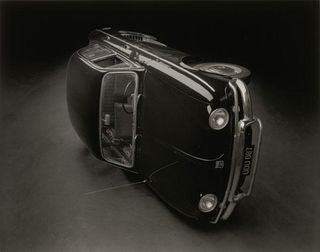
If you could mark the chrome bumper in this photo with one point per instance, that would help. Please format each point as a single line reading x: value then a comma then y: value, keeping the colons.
x: 231, y: 197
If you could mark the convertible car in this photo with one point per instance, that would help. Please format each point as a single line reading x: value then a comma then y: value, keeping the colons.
x: 184, y: 124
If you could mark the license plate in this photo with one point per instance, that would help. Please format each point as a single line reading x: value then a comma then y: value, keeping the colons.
x: 247, y: 160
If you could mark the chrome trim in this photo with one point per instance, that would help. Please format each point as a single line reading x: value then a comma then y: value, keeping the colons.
x: 130, y: 67
x: 230, y: 196
x: 184, y: 65
x: 234, y: 198
x: 242, y: 127
x: 205, y: 67
x: 256, y: 158
x: 213, y: 198
x: 212, y: 115
x: 129, y: 52
x: 246, y: 99
x: 234, y: 152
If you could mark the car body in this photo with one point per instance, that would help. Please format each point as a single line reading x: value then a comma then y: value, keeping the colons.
x: 186, y: 126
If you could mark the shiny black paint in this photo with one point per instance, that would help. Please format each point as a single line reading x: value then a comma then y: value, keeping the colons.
x: 179, y: 121
x: 175, y: 127
x: 176, y: 150
x: 83, y: 91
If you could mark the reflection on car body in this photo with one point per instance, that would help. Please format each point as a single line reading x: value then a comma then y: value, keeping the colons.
x: 184, y: 125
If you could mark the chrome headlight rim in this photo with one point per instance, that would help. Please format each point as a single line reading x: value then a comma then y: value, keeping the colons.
x: 219, y: 118
x: 208, y: 203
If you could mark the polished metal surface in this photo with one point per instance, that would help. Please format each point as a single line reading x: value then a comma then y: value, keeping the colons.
x: 224, y: 69
x: 238, y: 148
x: 223, y: 118
x: 235, y: 154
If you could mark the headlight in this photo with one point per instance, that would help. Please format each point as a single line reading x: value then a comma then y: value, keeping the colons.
x: 208, y: 202
x: 218, y: 119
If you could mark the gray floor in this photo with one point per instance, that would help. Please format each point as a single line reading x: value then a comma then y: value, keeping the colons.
x: 46, y: 173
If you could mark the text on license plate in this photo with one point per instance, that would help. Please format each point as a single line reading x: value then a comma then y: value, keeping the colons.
x: 247, y: 160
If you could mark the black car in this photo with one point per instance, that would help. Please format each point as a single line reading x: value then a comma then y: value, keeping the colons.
x: 185, y: 125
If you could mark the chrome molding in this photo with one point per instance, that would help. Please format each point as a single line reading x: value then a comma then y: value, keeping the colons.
x: 130, y: 67
x: 246, y: 99
x: 231, y: 198
x: 222, y: 205
x: 124, y: 47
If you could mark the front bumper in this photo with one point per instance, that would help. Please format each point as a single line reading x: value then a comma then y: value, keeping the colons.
x: 233, y: 193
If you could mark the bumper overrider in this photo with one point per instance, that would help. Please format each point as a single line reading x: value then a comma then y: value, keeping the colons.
x: 233, y: 194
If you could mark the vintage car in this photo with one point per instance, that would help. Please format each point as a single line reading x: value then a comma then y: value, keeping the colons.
x: 185, y: 125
